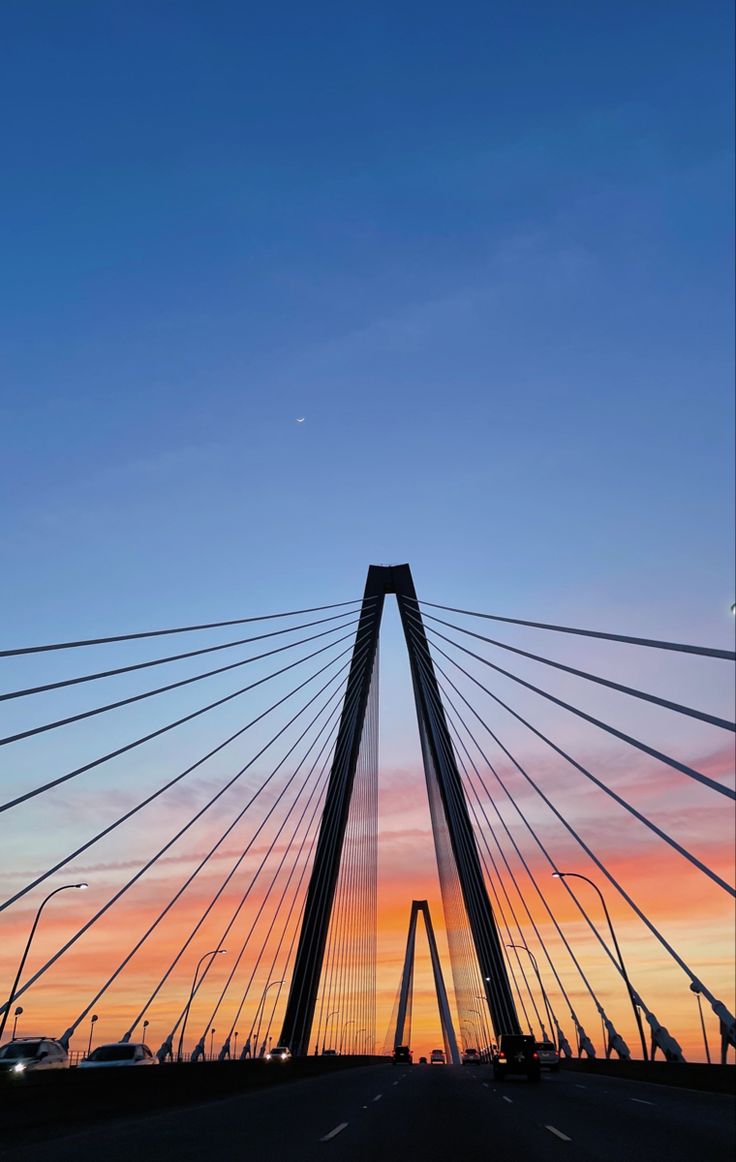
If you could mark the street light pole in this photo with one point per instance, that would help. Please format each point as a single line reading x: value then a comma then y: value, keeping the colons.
x: 259, y: 1010
x: 357, y: 1038
x: 637, y: 1015
x: 200, y: 962
x: 92, y: 1022
x: 486, y: 1034
x: 334, y: 1013
x: 16, y: 1014
x: 342, y: 1035
x: 24, y: 957
x: 547, y: 1006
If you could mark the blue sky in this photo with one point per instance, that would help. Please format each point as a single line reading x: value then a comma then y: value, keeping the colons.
x: 484, y: 249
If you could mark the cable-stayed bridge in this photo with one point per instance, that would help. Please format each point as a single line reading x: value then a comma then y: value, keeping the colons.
x: 245, y: 795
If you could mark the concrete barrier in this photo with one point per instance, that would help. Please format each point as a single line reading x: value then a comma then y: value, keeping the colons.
x: 67, y: 1098
x: 688, y: 1075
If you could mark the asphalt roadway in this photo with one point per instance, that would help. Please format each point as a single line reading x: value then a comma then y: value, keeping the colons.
x: 452, y: 1114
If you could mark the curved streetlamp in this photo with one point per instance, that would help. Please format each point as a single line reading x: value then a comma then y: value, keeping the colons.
x: 342, y: 1035
x: 261, y: 1005
x: 31, y: 934
x: 18, y: 1012
x: 357, y: 1037
x: 200, y: 962
x: 558, y: 875
x: 548, y: 1007
x: 92, y: 1022
x: 334, y: 1013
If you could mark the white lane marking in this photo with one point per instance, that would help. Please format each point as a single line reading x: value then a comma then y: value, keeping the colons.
x: 641, y: 1101
x: 580, y: 1086
x: 378, y: 1097
x: 485, y: 1083
x: 396, y: 1082
x: 508, y: 1099
x: 558, y: 1133
x: 333, y: 1133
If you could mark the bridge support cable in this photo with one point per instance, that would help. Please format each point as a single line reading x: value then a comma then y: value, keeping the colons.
x: 527, y: 868
x: 679, y: 647
x: 463, y: 994
x: 271, y: 886
x: 631, y: 691
x: 270, y: 975
x: 161, y: 790
x: 491, y: 962
x: 348, y: 972
x: 290, y: 841
x: 668, y: 760
x: 134, y: 698
x: 65, y: 683
x: 718, y: 1007
x: 189, y: 880
x: 614, y: 1037
x: 233, y: 870
x: 300, y: 1007
x: 164, y: 729
x: 128, y: 637
x: 658, y: 831
x: 329, y: 835
x: 457, y: 715
x: 174, y: 839
x: 491, y: 980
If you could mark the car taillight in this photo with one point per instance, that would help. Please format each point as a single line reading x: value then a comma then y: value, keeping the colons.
x: 535, y: 1056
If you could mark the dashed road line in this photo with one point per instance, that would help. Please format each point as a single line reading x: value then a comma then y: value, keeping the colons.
x: 396, y: 1082
x: 485, y: 1083
x: 641, y: 1101
x: 558, y: 1133
x: 378, y: 1097
x: 333, y: 1133
x: 508, y: 1099
x: 577, y: 1086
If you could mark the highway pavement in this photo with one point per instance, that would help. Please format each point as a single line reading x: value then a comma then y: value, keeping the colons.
x: 427, y: 1113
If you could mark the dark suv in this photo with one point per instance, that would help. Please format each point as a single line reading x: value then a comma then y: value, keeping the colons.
x: 516, y: 1054
x: 402, y: 1055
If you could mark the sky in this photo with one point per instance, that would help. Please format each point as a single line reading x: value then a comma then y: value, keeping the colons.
x: 484, y: 251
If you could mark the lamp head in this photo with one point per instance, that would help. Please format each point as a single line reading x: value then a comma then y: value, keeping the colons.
x: 80, y: 887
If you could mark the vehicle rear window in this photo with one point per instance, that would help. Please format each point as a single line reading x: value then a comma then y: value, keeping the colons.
x: 113, y: 1053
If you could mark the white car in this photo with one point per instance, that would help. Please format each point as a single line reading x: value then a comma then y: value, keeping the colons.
x: 27, y: 1054
x: 119, y: 1054
x: 279, y: 1053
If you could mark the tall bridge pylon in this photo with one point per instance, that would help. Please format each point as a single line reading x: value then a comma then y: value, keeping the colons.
x: 407, y: 982
x: 443, y: 781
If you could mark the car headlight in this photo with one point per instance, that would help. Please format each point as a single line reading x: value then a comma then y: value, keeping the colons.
x: 268, y: 1057
x: 20, y: 1067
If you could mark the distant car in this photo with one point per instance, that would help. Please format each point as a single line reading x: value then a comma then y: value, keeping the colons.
x: 422, y: 1060
x: 279, y: 1053
x: 437, y: 1057
x: 401, y: 1055
x: 549, y: 1058
x: 28, y: 1054
x: 119, y: 1054
x: 471, y: 1057
x: 329, y: 1053
x: 516, y: 1054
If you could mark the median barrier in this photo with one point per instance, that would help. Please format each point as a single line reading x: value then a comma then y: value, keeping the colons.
x: 684, y: 1075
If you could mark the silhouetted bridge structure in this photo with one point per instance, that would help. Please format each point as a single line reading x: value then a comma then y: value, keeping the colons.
x: 288, y: 792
